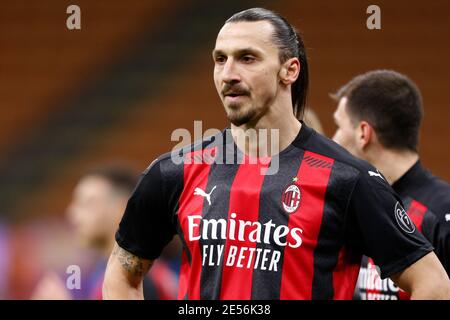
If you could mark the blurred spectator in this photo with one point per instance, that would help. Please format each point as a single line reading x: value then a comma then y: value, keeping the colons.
x: 98, y: 203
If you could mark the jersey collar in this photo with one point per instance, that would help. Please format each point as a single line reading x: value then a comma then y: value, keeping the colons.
x: 415, y: 177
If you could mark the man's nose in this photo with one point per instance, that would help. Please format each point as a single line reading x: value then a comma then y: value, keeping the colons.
x: 231, y: 72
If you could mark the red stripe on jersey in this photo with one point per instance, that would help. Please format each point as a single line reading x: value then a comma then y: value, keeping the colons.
x: 184, y: 274
x: 416, y: 212
x: 298, y: 263
x: 238, y: 261
x: 345, y: 276
x: 403, y: 295
x: 195, y: 176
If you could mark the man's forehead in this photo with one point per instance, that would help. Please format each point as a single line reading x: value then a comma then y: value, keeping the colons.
x: 93, y: 183
x: 249, y: 32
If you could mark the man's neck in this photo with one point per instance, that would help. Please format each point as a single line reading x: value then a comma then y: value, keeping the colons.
x: 394, y: 164
x: 274, y: 132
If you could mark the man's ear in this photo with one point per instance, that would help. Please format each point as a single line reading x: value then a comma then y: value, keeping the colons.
x: 289, y: 71
x: 366, y: 134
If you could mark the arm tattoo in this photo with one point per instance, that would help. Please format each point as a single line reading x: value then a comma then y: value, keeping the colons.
x: 136, y: 266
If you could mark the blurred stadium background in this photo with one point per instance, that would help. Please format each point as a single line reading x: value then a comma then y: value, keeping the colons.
x: 116, y: 89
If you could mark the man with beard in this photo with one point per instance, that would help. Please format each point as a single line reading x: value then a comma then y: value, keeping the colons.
x: 286, y: 216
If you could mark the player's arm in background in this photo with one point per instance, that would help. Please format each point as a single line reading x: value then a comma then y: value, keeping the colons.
x: 436, y: 228
x: 381, y: 229
x: 429, y: 267
x: 124, y: 275
x: 425, y: 279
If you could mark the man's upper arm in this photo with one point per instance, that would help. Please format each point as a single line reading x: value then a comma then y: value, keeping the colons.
x: 437, y: 230
x: 424, y: 279
x: 130, y: 266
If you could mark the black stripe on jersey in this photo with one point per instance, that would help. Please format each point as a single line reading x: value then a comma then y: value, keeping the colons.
x: 176, y: 182
x: 327, y: 250
x: 183, y: 242
x: 327, y: 165
x: 180, y: 231
x: 271, y: 208
x: 222, y: 177
x: 313, y: 162
x: 231, y: 154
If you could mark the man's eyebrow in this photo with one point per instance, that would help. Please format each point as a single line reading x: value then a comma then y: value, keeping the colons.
x: 249, y: 50
x: 238, y: 51
x: 217, y: 52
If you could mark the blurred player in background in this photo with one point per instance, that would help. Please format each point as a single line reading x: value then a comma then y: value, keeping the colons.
x: 378, y: 117
x: 297, y: 233
x: 98, y: 202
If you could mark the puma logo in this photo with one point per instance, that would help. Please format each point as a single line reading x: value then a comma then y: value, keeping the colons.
x: 200, y: 192
x: 375, y: 174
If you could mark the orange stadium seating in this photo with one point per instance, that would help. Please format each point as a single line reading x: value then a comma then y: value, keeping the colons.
x: 413, y: 41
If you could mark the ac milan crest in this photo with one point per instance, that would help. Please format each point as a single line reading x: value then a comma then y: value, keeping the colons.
x: 291, y: 197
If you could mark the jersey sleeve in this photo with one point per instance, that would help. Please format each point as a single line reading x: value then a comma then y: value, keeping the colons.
x: 380, y: 228
x: 146, y: 226
x: 437, y: 230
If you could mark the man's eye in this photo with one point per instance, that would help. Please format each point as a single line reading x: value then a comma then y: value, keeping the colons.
x: 220, y: 59
x: 248, y: 59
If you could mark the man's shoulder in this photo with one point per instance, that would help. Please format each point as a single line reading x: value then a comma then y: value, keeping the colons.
x: 437, y: 195
x: 326, y: 147
x: 440, y: 185
x: 196, y: 152
x: 157, y: 162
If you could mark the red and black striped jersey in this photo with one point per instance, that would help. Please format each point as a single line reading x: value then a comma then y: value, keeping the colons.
x: 294, y: 226
x: 427, y: 202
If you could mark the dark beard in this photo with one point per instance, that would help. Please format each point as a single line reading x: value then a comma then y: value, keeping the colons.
x: 239, y: 119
